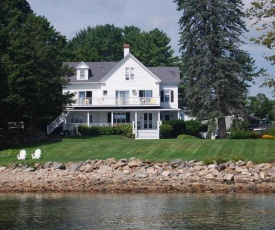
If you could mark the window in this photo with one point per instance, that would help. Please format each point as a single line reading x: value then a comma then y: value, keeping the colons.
x: 129, y: 73
x: 167, y: 96
x: 145, y: 96
x: 76, y: 119
x: 82, y: 74
x: 104, y: 92
x: 119, y: 118
x: 122, y: 97
x: 85, y: 97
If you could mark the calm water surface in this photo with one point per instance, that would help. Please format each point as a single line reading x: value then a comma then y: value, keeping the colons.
x: 136, y: 211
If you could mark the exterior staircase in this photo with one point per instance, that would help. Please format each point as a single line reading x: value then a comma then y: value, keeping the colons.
x: 147, y: 134
x: 56, y: 123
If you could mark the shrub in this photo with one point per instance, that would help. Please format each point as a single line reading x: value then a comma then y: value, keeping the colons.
x: 166, y: 131
x: 84, y: 130
x: 178, y: 127
x: 94, y: 131
x: 194, y: 127
x: 239, y: 134
x: 125, y: 130
x: 186, y: 136
x: 271, y: 131
x: 9, y: 152
x: 217, y: 160
x: 267, y: 136
x: 107, y: 130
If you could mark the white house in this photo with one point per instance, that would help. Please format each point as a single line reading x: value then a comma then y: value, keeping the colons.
x: 125, y: 92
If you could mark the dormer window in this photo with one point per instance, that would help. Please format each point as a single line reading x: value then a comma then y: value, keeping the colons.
x: 129, y: 73
x: 82, y: 74
x: 82, y: 71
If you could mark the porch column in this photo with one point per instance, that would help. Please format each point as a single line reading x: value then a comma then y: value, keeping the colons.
x: 65, y: 122
x: 112, y: 118
x: 158, y: 120
x: 136, y: 124
x: 88, y: 119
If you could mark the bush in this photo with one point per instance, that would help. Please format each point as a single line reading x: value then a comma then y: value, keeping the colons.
x: 178, y: 127
x: 84, y: 130
x: 166, y: 131
x: 194, y: 127
x: 239, y: 134
x: 267, y: 136
x: 271, y: 131
x: 217, y: 160
x: 186, y: 136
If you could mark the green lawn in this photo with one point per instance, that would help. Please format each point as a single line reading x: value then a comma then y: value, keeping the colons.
x: 80, y: 149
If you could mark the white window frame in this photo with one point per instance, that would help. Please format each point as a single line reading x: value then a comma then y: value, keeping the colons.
x: 129, y: 73
x: 82, y: 74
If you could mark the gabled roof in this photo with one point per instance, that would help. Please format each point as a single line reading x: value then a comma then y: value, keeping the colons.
x: 126, y: 58
x: 82, y: 65
x: 102, y: 70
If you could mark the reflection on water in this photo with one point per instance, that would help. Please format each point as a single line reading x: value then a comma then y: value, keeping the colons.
x: 136, y: 211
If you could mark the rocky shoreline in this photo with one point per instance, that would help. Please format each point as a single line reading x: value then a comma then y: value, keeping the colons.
x: 134, y: 175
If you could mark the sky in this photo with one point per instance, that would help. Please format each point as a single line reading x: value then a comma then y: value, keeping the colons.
x: 70, y: 16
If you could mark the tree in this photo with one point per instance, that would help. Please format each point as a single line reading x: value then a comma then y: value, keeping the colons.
x: 263, y: 11
x: 218, y: 72
x: 105, y: 42
x: 260, y: 106
x: 32, y: 66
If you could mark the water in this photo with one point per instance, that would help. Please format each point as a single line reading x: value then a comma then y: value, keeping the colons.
x: 136, y: 211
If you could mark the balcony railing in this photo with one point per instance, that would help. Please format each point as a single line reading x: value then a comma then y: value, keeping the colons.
x: 113, y: 101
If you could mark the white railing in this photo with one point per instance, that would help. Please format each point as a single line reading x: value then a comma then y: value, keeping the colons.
x: 112, y: 101
x: 55, y: 123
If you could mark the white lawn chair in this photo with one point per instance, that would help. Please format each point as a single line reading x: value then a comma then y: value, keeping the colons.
x: 22, y: 155
x: 36, y: 154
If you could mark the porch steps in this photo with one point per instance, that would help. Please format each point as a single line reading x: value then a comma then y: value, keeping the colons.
x: 147, y: 134
x: 56, y: 123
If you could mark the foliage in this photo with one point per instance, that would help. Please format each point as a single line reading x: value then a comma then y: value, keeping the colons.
x: 268, y: 136
x: 271, y: 130
x: 125, y: 130
x: 212, y: 160
x: 166, y: 131
x: 239, y: 134
x: 31, y: 56
x: 178, y: 127
x: 218, y: 72
x: 239, y: 124
x: 105, y: 42
x: 263, y: 12
x: 193, y: 127
x: 186, y: 136
x: 9, y: 153
x: 260, y: 106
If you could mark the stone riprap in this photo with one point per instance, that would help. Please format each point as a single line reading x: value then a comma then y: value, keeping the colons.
x: 134, y: 175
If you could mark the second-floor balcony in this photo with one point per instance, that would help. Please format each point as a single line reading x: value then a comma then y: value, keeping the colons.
x: 117, y: 101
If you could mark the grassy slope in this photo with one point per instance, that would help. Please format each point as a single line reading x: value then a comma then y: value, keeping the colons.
x: 81, y: 149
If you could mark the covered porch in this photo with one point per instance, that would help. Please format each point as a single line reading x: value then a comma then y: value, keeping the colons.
x: 145, y: 122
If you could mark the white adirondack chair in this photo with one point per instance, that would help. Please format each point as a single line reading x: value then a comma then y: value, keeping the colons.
x: 36, y: 154
x: 22, y: 155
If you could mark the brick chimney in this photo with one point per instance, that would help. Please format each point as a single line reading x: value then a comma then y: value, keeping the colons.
x: 126, y: 49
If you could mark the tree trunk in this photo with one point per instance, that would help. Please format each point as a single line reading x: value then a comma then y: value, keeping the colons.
x: 222, y: 127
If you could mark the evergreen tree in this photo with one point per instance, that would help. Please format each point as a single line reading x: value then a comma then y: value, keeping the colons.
x: 218, y: 72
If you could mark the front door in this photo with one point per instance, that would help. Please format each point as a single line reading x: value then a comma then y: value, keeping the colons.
x: 148, y: 120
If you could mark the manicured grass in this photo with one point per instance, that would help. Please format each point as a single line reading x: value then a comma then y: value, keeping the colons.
x: 80, y: 149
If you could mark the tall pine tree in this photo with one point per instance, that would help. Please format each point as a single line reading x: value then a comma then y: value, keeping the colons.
x: 218, y: 71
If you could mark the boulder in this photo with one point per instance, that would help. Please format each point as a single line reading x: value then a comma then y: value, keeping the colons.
x: 2, y: 168
x: 105, y: 169
x: 58, y: 165
x: 271, y: 172
x: 74, y: 167
x: 249, y: 164
x: 228, y: 177
x: 135, y: 163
